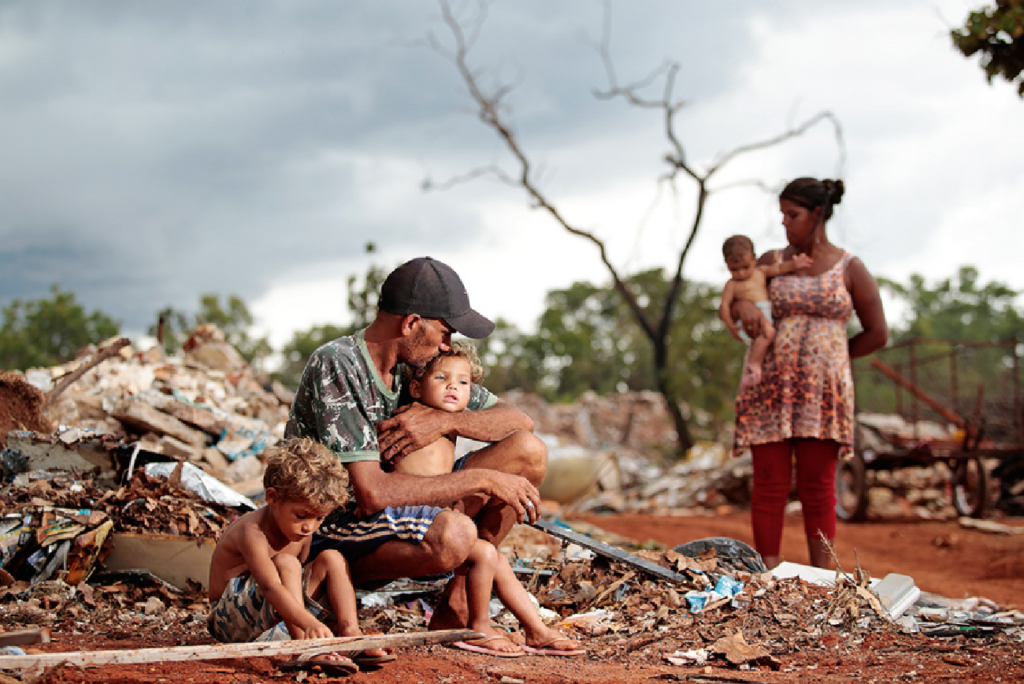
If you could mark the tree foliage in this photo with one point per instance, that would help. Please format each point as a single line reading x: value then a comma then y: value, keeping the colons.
x: 49, y: 331
x: 587, y: 340
x: 947, y: 344
x: 956, y: 308
x: 997, y: 33
x: 363, y: 292
x: 232, y: 317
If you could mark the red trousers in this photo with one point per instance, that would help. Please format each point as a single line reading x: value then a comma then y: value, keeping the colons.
x: 815, y: 462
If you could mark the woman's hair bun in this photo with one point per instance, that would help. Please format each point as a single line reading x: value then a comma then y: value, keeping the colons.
x: 835, y: 190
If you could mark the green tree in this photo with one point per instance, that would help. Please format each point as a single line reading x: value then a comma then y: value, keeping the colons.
x: 47, y: 332
x: 997, y: 33
x: 232, y: 317
x: 362, y: 304
x: 298, y: 350
x: 947, y: 345
x: 958, y: 308
x: 588, y: 340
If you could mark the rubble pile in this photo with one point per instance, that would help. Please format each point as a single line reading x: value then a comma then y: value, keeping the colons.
x: 207, y: 407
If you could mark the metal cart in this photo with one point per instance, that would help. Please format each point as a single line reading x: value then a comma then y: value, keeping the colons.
x: 926, y: 401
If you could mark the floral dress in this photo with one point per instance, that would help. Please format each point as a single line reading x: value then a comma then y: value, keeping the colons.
x: 806, y: 387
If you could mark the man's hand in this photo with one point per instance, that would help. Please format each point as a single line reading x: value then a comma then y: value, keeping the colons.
x: 517, y: 492
x: 410, y: 428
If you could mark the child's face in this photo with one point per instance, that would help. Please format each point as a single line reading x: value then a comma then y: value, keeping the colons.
x: 296, y: 519
x: 445, y: 385
x: 742, y: 267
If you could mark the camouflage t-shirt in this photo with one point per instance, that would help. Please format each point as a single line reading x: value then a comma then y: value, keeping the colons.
x: 341, y: 397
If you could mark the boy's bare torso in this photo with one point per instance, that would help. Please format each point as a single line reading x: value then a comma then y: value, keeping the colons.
x: 228, y: 559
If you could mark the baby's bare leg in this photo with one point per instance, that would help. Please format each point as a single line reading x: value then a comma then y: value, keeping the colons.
x: 479, y: 569
x: 515, y: 597
x: 755, y: 357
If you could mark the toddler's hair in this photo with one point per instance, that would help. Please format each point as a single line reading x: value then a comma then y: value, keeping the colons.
x: 460, y: 349
x: 304, y: 470
x: 737, y: 246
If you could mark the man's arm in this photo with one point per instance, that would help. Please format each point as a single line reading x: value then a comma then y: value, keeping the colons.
x: 415, y: 426
x: 375, y: 489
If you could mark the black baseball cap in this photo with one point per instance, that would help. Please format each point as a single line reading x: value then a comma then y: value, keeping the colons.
x: 427, y: 287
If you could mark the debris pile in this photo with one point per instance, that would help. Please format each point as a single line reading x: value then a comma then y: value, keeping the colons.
x: 59, y: 526
x: 207, y: 407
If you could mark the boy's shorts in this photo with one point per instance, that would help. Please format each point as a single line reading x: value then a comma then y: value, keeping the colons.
x: 242, y: 614
x: 766, y: 309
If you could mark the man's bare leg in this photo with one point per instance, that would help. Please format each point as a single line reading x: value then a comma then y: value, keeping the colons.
x: 521, y: 453
x: 445, y: 547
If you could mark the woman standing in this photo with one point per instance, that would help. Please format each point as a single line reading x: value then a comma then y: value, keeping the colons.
x: 802, y: 410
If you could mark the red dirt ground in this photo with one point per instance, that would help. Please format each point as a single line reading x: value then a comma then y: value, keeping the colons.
x: 942, y: 557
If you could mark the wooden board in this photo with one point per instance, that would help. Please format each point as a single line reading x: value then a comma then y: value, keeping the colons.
x: 225, y: 651
x: 173, y: 559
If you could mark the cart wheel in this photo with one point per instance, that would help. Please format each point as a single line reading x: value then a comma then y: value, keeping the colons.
x: 969, y: 484
x: 851, y: 488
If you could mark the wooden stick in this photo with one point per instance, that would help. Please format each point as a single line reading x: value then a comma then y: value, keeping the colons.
x: 96, y: 359
x: 223, y: 651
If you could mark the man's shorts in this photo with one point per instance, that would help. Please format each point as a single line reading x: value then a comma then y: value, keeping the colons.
x: 766, y: 309
x: 242, y: 614
x: 355, y: 537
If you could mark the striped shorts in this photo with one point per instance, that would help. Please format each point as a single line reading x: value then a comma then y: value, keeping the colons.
x: 356, y: 537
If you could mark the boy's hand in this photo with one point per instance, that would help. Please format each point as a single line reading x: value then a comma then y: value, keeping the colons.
x: 312, y: 630
x: 802, y: 260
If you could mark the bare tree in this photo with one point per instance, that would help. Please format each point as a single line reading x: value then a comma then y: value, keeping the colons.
x: 493, y: 112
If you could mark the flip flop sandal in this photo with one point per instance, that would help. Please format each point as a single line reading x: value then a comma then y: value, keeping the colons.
x: 479, y: 647
x: 544, y: 648
x: 364, y: 661
x: 320, y: 663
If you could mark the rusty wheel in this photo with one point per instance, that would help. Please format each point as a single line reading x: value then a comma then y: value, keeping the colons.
x: 969, y: 486
x: 852, y: 488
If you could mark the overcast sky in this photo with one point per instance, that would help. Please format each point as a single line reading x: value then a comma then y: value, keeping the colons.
x: 155, y: 151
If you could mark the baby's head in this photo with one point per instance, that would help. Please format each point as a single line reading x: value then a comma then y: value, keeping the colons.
x: 444, y: 383
x: 304, y: 471
x: 739, y: 256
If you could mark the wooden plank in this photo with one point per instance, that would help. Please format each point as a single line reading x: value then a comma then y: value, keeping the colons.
x: 226, y: 651
x: 607, y: 550
x: 22, y: 637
